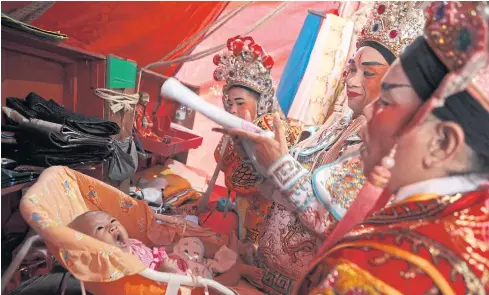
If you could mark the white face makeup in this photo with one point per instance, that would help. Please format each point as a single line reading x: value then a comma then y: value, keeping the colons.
x: 366, y: 69
x: 241, y: 100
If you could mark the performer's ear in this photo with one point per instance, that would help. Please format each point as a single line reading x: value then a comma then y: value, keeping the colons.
x: 446, y: 145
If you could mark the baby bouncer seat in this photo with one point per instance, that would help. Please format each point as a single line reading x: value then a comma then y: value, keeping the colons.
x: 61, y: 194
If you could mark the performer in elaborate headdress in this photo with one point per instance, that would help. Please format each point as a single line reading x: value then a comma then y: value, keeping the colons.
x: 293, y: 230
x: 428, y: 136
x: 389, y: 29
x: 248, y: 93
x: 431, y: 126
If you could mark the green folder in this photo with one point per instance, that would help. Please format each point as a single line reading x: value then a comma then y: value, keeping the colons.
x: 120, y: 73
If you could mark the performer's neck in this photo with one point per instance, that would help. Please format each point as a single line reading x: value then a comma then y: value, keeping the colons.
x: 442, y: 186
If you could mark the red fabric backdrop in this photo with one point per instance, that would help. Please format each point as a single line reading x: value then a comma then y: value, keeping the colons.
x: 141, y: 31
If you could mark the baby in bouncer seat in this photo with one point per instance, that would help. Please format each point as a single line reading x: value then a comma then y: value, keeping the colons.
x: 186, y: 259
x: 103, y: 227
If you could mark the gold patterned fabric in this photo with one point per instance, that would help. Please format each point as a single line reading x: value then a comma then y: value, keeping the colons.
x: 426, y: 244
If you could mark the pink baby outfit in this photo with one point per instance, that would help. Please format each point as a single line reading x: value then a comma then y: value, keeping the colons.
x: 152, y: 258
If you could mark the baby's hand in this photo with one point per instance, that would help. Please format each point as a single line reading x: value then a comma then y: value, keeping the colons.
x: 218, y: 267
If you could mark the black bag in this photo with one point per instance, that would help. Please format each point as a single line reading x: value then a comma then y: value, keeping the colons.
x: 124, y: 160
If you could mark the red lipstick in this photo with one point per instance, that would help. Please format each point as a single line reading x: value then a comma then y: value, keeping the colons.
x: 352, y: 94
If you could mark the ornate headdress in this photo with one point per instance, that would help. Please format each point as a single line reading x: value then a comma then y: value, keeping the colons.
x: 246, y: 64
x: 458, y: 34
x: 393, y: 24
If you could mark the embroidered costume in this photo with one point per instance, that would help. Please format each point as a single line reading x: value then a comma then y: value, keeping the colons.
x: 313, y: 186
x: 247, y: 65
x: 430, y: 241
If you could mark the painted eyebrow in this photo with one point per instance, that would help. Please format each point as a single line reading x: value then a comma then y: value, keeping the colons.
x: 239, y: 98
x: 388, y: 86
x: 372, y: 63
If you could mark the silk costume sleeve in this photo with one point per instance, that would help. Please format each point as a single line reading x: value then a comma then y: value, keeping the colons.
x: 320, y: 198
x: 293, y: 186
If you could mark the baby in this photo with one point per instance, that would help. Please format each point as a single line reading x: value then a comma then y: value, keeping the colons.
x: 103, y: 227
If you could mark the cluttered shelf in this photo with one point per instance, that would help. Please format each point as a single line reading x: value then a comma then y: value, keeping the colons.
x: 45, y: 72
x: 51, y: 115
x: 154, y: 122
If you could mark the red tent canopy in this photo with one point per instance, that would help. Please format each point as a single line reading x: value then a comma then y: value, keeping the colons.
x: 141, y: 31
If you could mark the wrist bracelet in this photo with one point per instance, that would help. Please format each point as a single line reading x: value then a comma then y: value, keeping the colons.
x: 285, y: 172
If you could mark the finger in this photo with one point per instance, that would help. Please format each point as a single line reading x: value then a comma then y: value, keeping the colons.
x: 246, y: 135
x: 220, y: 130
x: 279, y: 130
x: 247, y: 116
x: 241, y: 134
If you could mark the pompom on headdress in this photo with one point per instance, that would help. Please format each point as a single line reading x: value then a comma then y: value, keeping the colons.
x: 246, y: 64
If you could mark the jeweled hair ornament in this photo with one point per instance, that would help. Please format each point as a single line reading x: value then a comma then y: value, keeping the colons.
x: 246, y: 64
x: 394, y: 25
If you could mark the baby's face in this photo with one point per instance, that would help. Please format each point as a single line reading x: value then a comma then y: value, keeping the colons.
x: 105, y: 228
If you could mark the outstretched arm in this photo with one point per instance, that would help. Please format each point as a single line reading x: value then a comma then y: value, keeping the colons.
x: 293, y: 184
